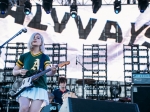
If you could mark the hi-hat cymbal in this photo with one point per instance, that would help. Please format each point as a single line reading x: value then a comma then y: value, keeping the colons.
x: 86, y: 81
x: 71, y: 81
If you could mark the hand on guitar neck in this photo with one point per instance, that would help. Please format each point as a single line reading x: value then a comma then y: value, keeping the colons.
x: 52, y: 72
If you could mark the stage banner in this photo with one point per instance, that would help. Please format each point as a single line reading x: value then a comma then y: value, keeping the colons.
x: 131, y: 25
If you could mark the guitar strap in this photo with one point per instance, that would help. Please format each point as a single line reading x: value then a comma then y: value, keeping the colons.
x: 41, y: 67
x: 42, y: 60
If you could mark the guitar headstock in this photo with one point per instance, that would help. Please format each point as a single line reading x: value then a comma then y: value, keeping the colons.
x: 64, y: 63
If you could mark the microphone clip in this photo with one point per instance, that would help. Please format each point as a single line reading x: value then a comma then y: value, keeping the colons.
x: 76, y: 60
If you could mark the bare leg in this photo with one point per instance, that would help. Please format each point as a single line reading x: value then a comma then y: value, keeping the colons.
x: 24, y: 104
x: 35, y: 105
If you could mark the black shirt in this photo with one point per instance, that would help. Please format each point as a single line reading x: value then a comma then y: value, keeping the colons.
x: 58, y: 95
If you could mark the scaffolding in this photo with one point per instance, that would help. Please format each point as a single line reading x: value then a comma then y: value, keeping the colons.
x: 94, y: 71
x: 13, y: 51
x: 136, y: 60
x: 58, y: 54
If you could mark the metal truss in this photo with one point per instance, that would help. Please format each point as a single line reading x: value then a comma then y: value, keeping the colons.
x: 79, y: 2
x: 89, y: 2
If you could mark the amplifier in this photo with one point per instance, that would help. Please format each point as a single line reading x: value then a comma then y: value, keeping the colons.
x: 141, y: 97
x: 140, y: 78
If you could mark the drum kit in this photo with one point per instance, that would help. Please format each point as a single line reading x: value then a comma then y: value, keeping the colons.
x: 76, y: 86
x: 75, y: 91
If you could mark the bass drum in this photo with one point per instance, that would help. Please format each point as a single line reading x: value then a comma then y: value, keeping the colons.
x: 52, y: 107
x: 68, y: 94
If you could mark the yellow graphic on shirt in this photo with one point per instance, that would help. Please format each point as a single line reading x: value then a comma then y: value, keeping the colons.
x: 36, y: 65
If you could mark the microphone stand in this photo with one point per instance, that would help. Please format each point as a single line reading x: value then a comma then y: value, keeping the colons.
x: 83, y: 82
x: 22, y: 30
x: 2, y: 46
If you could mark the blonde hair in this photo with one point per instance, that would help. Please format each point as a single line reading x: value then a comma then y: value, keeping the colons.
x: 42, y: 48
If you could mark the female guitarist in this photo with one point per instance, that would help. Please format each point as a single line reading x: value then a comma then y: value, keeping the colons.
x: 30, y: 100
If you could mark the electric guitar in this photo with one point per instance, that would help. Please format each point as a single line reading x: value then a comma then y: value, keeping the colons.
x: 22, y: 84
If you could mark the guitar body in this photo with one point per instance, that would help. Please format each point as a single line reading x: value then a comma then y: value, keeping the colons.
x: 20, y: 85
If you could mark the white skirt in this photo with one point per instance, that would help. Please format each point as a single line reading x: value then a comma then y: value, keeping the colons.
x: 35, y: 94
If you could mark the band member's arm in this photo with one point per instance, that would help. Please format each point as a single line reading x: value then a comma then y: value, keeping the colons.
x: 47, y: 65
x: 51, y: 96
x: 17, y: 70
x: 52, y: 72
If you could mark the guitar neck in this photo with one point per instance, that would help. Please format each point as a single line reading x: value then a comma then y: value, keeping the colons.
x: 41, y: 73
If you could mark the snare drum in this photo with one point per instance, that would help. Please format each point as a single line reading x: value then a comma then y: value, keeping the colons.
x: 68, y: 94
x: 52, y: 107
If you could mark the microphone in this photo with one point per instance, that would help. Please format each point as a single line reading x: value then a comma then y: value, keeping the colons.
x: 24, y: 30
x: 76, y: 60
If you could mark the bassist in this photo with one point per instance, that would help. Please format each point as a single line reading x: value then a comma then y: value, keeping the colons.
x: 30, y: 100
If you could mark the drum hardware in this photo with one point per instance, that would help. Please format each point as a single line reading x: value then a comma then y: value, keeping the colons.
x: 8, y: 102
x: 52, y: 107
x: 73, y: 90
x: 83, y: 81
x: 1, y: 107
x: 71, y: 82
x: 79, y: 91
x: 86, y: 81
x: 68, y: 94
x: 115, y: 90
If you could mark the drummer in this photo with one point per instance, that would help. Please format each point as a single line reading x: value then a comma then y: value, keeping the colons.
x: 57, y: 93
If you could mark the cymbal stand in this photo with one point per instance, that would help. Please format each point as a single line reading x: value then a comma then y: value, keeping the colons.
x: 70, y: 85
x: 8, y: 102
x: 83, y: 82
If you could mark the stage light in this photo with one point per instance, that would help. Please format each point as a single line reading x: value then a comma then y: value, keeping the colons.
x: 14, y: 2
x: 96, y: 4
x: 47, y: 5
x: 142, y: 5
x: 115, y: 91
x: 73, y: 9
x: 117, y: 6
x: 4, y: 6
x: 27, y: 7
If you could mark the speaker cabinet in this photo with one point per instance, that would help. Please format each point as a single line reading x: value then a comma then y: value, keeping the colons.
x: 141, y: 96
x: 86, y: 105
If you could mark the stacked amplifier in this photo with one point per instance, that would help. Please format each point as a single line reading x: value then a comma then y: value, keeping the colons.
x: 141, y: 91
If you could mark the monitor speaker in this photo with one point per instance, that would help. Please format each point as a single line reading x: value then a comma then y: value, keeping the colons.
x: 87, y: 105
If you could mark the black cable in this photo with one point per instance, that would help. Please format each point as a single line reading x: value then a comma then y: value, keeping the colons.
x: 1, y: 106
